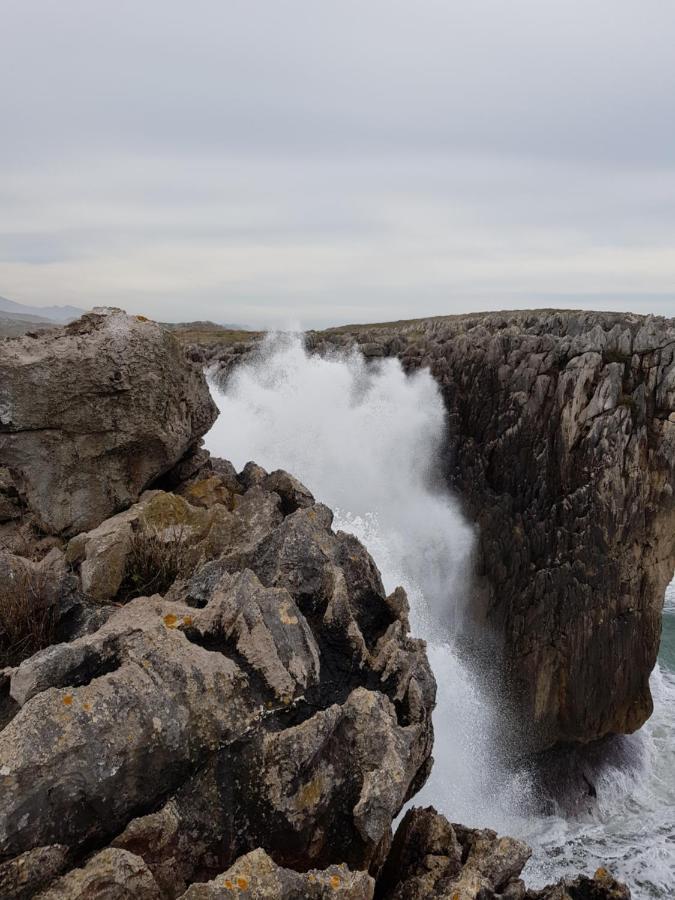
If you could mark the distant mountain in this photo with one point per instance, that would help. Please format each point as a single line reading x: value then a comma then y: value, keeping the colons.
x: 49, y: 313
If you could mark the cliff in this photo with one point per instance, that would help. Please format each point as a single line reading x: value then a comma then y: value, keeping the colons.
x: 561, y: 446
x: 207, y: 692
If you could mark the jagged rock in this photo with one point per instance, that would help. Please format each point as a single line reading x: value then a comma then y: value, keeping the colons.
x: 91, y: 413
x: 561, y: 445
x: 293, y: 494
x: 601, y: 887
x: 22, y: 877
x: 432, y: 858
x: 256, y: 877
x: 103, y: 554
x: 110, y: 875
x: 10, y: 502
x: 273, y: 699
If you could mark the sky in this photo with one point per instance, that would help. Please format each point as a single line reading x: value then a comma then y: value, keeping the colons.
x: 282, y: 163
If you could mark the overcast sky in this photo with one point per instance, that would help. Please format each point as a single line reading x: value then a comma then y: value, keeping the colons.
x: 276, y: 162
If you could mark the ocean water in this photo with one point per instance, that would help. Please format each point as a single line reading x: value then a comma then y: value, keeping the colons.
x: 366, y: 440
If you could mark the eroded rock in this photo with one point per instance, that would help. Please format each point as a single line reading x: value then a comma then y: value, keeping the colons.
x: 274, y: 699
x: 561, y: 445
x: 92, y: 412
x: 256, y: 877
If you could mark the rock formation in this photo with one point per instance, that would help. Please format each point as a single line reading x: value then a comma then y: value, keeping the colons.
x: 561, y: 446
x: 91, y: 413
x: 249, y: 727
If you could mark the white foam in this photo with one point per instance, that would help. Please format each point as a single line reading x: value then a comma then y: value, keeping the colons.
x: 366, y: 440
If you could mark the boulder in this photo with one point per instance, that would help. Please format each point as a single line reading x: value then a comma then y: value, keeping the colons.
x: 93, y: 412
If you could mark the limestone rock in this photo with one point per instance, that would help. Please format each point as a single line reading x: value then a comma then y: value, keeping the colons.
x: 561, y: 445
x: 601, y: 887
x: 271, y: 700
x: 256, y: 877
x: 432, y: 858
x: 110, y: 875
x: 92, y: 412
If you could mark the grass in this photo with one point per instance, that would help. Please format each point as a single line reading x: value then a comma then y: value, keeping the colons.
x: 208, y: 333
x: 27, y: 617
x: 155, y: 560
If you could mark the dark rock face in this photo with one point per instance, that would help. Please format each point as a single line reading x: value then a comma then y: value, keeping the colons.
x: 92, y: 412
x: 561, y: 444
x: 430, y: 858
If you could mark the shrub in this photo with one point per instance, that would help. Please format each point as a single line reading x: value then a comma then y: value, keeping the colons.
x: 155, y: 559
x: 27, y: 616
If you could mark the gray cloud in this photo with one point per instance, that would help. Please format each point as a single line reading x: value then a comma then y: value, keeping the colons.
x: 321, y: 162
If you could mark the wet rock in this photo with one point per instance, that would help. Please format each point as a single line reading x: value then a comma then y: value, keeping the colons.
x: 601, y: 887
x: 92, y: 412
x: 256, y: 877
x: 432, y: 858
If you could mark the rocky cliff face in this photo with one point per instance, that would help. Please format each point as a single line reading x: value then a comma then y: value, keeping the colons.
x: 221, y: 700
x: 561, y: 444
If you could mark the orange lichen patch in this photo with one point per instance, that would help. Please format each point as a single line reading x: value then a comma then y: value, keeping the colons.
x: 242, y: 883
x: 142, y: 318
x: 334, y: 881
x: 86, y: 707
x: 170, y: 620
x: 68, y: 700
x: 601, y: 873
x: 187, y: 621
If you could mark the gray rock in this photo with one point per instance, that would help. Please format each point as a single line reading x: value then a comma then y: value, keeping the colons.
x: 110, y: 875
x: 561, y: 444
x: 256, y: 877
x: 92, y: 412
x: 273, y: 700
x: 24, y: 876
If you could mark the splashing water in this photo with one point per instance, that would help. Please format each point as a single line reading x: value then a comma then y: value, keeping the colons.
x: 366, y: 440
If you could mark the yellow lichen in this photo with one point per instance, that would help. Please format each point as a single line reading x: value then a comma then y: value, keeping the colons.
x: 285, y: 616
x: 68, y: 700
x: 310, y: 793
x: 242, y: 883
x: 170, y: 620
x: 86, y: 707
x: 334, y: 881
x: 601, y: 873
x: 228, y: 884
x: 187, y: 621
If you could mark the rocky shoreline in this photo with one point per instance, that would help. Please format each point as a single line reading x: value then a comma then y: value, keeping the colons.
x: 214, y: 696
x: 561, y: 448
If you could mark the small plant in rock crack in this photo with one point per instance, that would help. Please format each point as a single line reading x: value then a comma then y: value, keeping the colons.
x: 27, y: 616
x: 155, y: 559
